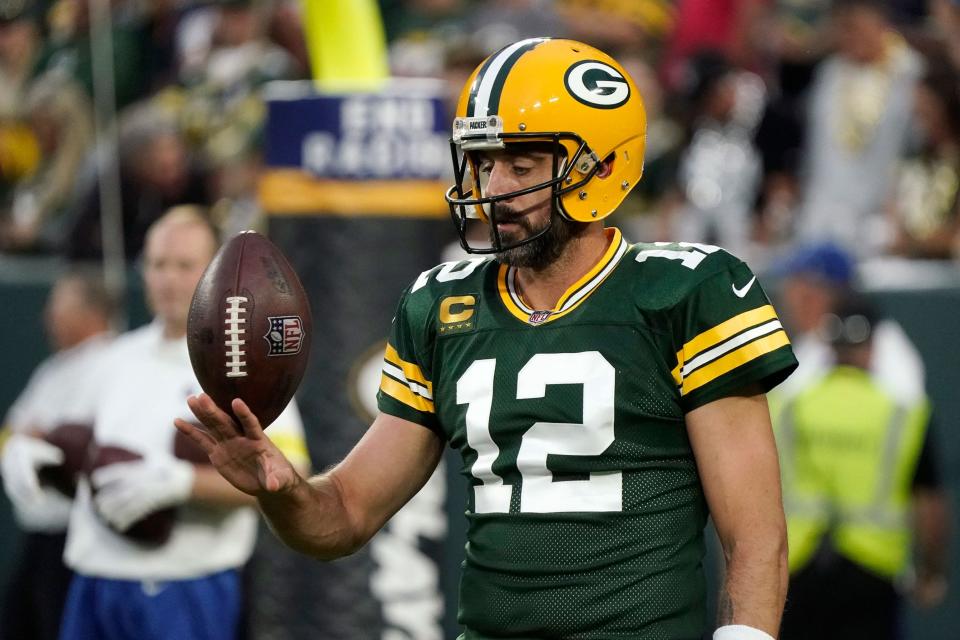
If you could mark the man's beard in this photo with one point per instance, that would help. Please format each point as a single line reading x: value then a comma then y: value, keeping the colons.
x: 537, y: 254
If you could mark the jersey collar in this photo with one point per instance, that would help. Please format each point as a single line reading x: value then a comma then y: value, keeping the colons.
x: 573, y: 296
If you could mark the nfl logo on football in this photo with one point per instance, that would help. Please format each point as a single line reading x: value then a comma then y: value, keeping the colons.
x: 285, y: 335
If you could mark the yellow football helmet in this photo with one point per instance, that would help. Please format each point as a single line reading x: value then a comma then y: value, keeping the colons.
x: 562, y: 92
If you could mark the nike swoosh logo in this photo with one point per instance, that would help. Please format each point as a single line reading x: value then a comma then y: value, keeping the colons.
x: 743, y: 290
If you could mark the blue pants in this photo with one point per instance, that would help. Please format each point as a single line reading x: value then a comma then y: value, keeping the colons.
x: 203, y: 609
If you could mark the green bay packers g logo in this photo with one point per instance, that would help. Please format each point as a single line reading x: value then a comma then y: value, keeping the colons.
x: 597, y: 84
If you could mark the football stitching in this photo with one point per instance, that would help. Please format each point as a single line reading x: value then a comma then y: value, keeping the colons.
x: 234, y: 342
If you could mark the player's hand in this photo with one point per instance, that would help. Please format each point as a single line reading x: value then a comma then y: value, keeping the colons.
x: 47, y: 512
x: 23, y: 457
x: 36, y: 508
x: 241, y: 453
x: 126, y: 492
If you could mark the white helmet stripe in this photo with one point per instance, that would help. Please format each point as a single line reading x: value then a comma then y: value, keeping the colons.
x: 500, y: 64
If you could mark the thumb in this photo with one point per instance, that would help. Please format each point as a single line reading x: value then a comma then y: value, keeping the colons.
x: 48, y: 455
x: 275, y: 476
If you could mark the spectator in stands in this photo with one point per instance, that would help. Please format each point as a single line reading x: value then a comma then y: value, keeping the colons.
x: 187, y: 587
x: 20, y: 46
x: 497, y: 23
x: 70, y: 50
x: 727, y: 26
x: 77, y: 318
x: 946, y: 18
x: 619, y: 24
x: 226, y: 48
x: 925, y: 208
x: 156, y: 173
x: 285, y: 27
x: 223, y: 70
x: 859, y: 114
x: 796, y: 41
x: 719, y: 171
x: 59, y: 119
x: 860, y: 483
x: 666, y: 139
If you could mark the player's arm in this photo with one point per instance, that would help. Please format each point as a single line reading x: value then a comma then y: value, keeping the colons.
x: 332, y: 514
x: 336, y: 513
x: 211, y: 488
x: 737, y: 458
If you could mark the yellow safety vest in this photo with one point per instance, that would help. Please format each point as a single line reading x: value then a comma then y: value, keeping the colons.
x: 848, y: 452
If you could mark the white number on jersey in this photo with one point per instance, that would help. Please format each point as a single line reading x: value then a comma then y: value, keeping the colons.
x: 538, y: 492
x: 690, y: 256
x: 449, y: 271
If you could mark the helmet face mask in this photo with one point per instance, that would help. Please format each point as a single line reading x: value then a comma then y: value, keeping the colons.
x: 563, y: 96
x: 469, y: 202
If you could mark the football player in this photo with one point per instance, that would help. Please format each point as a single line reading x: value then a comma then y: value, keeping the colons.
x: 606, y: 397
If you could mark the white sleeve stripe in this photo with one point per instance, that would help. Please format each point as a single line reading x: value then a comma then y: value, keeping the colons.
x: 397, y: 374
x: 726, y: 347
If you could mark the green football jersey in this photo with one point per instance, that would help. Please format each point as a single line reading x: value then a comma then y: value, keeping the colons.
x: 586, y: 512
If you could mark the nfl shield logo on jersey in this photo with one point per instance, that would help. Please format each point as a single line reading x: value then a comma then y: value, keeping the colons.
x: 285, y: 335
x: 538, y: 317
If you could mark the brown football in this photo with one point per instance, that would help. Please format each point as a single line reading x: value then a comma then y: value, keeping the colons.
x: 153, y: 529
x: 249, y: 327
x: 73, y: 440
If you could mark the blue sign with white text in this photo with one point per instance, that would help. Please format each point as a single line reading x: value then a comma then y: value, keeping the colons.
x: 400, y: 133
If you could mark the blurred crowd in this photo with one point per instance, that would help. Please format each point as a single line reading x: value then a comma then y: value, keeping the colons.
x: 184, y: 100
x: 771, y: 122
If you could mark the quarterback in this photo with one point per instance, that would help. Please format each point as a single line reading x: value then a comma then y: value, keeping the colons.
x: 606, y: 397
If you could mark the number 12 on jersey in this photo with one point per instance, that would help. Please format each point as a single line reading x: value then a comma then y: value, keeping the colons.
x: 602, y: 491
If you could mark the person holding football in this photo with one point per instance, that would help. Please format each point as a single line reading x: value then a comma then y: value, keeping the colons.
x: 78, y: 320
x: 140, y: 585
x: 606, y: 397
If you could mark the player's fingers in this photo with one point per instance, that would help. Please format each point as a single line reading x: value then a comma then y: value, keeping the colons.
x: 203, y: 439
x: 218, y: 423
x: 249, y: 422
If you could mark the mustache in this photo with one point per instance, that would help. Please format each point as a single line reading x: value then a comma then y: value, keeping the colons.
x: 504, y: 213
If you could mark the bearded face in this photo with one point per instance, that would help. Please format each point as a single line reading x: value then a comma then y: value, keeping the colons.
x: 540, y: 252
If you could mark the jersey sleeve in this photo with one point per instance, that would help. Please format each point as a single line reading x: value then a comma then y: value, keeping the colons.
x: 406, y: 390
x: 728, y: 336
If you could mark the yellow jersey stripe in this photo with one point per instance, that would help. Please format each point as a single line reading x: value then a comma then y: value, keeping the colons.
x: 590, y: 281
x: 734, y: 359
x: 402, y: 392
x: 724, y: 330
x: 410, y: 370
x: 504, y: 290
x: 615, y: 239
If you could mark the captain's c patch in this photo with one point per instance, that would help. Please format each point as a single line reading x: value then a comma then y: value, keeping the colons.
x: 458, y: 314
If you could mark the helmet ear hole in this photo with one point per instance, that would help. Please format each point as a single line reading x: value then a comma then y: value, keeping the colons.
x: 606, y: 167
